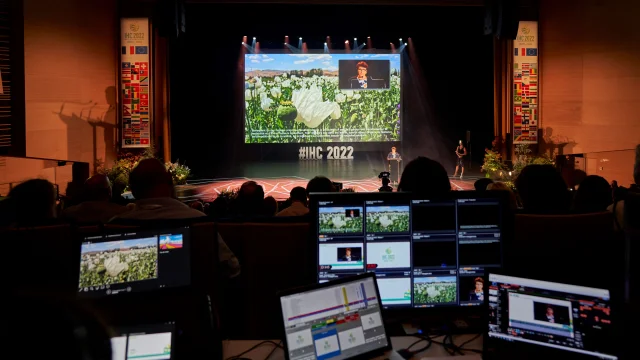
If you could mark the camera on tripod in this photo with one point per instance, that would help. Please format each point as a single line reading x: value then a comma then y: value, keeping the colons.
x: 384, y: 176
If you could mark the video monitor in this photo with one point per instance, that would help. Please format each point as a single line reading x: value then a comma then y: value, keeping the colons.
x: 529, y: 315
x: 424, y: 252
x: 134, y: 261
x: 315, y: 97
x: 143, y: 342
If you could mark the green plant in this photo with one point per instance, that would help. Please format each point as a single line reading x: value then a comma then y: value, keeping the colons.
x: 229, y: 195
x: 493, y: 164
x: 179, y: 172
x: 126, y: 161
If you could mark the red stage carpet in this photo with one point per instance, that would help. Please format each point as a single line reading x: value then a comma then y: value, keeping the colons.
x: 279, y: 188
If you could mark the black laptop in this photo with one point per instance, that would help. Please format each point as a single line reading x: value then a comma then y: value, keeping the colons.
x: 533, y: 319
x: 341, y: 319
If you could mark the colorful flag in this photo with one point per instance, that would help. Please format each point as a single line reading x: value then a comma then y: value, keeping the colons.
x: 126, y: 65
x: 531, y: 52
x: 141, y: 50
x: 132, y: 50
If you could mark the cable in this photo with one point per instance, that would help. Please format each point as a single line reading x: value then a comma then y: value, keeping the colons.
x: 461, y: 346
x: 239, y: 356
x: 274, y: 349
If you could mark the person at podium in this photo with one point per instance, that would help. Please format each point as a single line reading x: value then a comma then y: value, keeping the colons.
x: 394, y: 164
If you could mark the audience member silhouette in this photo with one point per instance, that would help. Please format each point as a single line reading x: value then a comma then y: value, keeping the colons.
x: 250, y: 200
x: 320, y: 184
x: 96, y: 206
x: 594, y: 194
x: 425, y: 177
x: 30, y: 203
x: 542, y: 190
x: 270, y: 206
x: 481, y: 184
x: 152, y: 186
x: 298, y: 199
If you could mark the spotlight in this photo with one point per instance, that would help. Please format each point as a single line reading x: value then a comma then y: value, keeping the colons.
x: 405, y: 44
x: 346, y: 41
x: 285, y: 43
x: 299, y: 38
x: 355, y: 38
x: 368, y: 37
x: 243, y: 43
x: 400, y: 39
x: 255, y: 38
x: 286, y: 36
x: 325, y: 44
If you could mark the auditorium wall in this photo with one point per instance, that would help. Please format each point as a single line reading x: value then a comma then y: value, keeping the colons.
x: 71, y: 64
x: 590, y: 70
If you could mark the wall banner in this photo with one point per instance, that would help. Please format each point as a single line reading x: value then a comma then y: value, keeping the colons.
x: 525, y: 84
x: 135, y: 82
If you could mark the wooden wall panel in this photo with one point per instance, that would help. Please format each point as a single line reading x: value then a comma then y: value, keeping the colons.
x: 590, y: 68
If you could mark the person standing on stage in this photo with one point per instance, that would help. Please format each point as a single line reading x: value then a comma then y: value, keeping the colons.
x: 461, y: 152
x: 393, y: 155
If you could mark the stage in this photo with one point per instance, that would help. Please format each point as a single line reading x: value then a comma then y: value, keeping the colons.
x: 279, y: 187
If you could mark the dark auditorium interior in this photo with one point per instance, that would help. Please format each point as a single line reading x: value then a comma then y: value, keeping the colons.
x: 320, y: 180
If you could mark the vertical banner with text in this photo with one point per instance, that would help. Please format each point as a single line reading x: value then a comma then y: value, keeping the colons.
x: 525, y: 84
x: 135, y: 81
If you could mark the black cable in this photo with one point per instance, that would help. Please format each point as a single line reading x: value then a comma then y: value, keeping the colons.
x: 239, y: 356
x: 461, y: 346
x: 274, y: 349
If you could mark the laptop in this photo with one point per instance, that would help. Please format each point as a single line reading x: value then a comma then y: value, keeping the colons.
x: 532, y: 318
x: 143, y: 342
x: 336, y: 320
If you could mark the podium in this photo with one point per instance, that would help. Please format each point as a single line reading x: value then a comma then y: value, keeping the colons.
x: 397, y: 160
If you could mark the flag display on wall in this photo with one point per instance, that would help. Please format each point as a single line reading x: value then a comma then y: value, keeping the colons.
x: 134, y: 83
x: 525, y: 84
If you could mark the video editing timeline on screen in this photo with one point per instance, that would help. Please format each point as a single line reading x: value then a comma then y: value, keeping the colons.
x: 336, y: 322
x: 561, y: 316
x: 144, y: 342
x: 134, y: 261
x: 424, y: 253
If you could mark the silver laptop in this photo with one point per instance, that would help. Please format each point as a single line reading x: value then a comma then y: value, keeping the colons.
x: 336, y: 320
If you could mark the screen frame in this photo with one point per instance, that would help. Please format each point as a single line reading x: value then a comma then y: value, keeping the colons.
x: 333, y: 283
x: 143, y: 231
x: 409, y: 312
x: 494, y: 348
x: 376, y: 144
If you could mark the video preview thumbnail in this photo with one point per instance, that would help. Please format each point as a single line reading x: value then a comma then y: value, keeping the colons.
x: 387, y: 219
x: 114, y: 262
x: 434, y: 290
x: 340, y: 220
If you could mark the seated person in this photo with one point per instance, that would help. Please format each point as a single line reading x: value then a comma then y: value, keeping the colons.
x: 152, y: 186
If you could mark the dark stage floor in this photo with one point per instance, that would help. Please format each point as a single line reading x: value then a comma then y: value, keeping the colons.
x: 278, y: 178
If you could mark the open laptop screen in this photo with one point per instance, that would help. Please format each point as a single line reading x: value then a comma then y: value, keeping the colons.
x: 552, y: 315
x: 143, y: 342
x: 134, y: 261
x: 337, y: 320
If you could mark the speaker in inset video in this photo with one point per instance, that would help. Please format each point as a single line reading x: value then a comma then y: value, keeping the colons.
x: 170, y: 18
x: 501, y: 18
